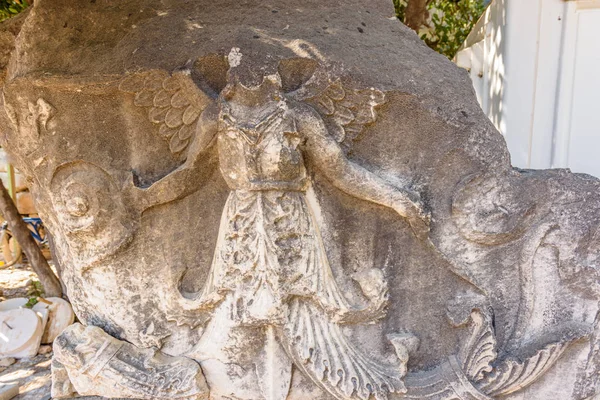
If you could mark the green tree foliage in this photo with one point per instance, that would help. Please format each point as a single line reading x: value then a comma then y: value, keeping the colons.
x: 449, y: 22
x: 10, y: 8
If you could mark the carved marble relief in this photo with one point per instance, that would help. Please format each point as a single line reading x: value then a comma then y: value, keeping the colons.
x: 89, y: 362
x: 36, y: 118
x: 284, y: 224
x: 88, y: 207
x: 270, y: 282
x: 270, y: 270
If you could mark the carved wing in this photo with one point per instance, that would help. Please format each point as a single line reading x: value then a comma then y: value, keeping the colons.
x: 173, y: 103
x: 346, y: 111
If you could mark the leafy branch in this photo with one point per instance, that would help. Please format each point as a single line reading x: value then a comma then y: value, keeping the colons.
x: 10, y: 8
x: 445, y: 23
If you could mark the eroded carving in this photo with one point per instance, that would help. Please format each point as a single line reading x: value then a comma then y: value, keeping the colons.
x: 40, y: 113
x: 36, y: 117
x: 498, y: 376
x: 349, y: 111
x: 89, y: 206
x: 476, y: 372
x: 588, y: 382
x: 487, y: 212
x: 89, y: 362
x: 174, y: 104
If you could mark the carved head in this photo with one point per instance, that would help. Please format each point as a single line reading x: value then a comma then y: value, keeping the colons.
x: 268, y: 90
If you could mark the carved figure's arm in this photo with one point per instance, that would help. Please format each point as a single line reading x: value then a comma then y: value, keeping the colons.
x: 355, y: 180
x: 188, y: 177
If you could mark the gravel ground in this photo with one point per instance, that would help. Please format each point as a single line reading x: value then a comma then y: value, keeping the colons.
x: 33, y: 376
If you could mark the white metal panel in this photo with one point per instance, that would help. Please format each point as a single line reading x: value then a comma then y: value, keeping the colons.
x: 518, y: 89
x: 552, y: 19
x: 584, y: 143
x: 535, y: 66
x: 560, y: 153
x: 494, y: 64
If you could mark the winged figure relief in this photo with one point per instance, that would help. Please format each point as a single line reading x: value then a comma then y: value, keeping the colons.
x: 270, y: 270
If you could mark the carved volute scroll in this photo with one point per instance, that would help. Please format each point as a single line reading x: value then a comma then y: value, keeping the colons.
x: 88, y: 206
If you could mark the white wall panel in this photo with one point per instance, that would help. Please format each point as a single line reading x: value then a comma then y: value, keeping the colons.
x: 583, y: 151
x: 536, y: 73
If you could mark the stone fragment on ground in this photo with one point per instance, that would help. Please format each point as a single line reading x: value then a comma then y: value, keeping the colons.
x: 60, y: 317
x: 120, y: 369
x: 16, y: 281
x: 22, y: 330
x: 8, y: 391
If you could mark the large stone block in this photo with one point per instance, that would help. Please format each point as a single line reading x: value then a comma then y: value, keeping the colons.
x: 87, y: 361
x: 302, y: 198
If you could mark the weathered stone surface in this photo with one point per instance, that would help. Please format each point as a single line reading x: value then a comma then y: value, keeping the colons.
x: 8, y: 34
x: 89, y: 362
x: 302, y: 198
x: 8, y: 391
